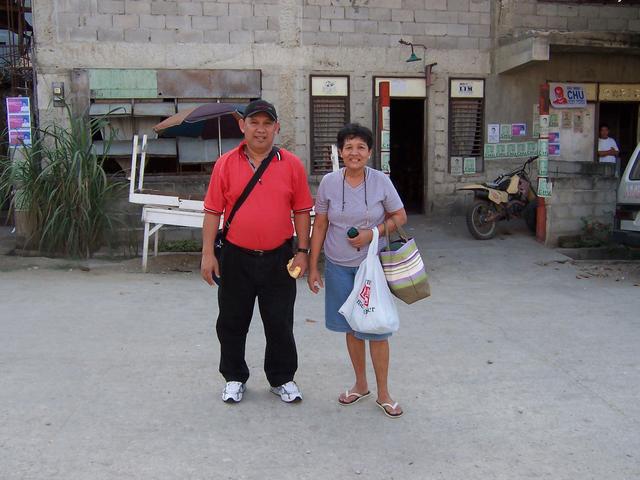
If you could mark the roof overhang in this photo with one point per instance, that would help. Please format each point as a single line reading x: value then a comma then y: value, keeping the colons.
x: 538, y: 46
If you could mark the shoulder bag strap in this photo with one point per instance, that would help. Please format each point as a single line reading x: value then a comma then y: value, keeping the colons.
x: 247, y: 190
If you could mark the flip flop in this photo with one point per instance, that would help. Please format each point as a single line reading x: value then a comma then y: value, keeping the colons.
x: 359, y: 396
x: 384, y: 406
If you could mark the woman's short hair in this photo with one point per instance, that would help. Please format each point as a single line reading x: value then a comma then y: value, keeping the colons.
x: 354, y: 130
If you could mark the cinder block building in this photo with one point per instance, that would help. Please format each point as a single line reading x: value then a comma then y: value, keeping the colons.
x: 480, y: 64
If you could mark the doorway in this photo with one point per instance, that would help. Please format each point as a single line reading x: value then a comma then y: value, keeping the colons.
x: 622, y: 118
x: 407, y: 151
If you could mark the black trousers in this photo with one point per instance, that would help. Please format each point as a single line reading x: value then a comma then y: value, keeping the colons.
x: 243, y: 278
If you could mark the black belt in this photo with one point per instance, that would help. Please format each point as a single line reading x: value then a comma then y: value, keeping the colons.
x: 259, y: 253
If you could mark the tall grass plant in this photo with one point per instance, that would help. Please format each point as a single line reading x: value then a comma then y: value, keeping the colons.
x: 61, y: 187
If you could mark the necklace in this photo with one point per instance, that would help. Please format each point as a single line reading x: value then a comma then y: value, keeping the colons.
x: 366, y: 204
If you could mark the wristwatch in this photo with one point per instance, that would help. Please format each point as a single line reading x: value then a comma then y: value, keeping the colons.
x: 304, y: 250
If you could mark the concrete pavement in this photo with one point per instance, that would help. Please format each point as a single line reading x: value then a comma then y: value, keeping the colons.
x: 517, y: 367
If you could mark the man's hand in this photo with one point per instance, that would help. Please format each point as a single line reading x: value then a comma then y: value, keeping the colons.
x: 208, y: 266
x: 300, y: 260
x: 315, y: 280
x: 362, y: 240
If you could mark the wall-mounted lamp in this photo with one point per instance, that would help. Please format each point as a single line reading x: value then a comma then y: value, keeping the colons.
x: 413, y: 57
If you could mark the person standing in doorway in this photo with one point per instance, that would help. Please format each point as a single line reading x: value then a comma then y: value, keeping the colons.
x: 608, y: 151
x: 254, y: 257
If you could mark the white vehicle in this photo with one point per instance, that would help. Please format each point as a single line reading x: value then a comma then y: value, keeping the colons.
x: 627, y: 221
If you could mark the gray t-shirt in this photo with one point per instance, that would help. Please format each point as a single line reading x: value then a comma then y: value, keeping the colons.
x: 381, y: 197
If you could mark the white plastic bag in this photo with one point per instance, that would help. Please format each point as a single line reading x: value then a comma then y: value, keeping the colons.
x: 370, y: 307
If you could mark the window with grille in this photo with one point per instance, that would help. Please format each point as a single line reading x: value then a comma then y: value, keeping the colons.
x: 329, y: 107
x: 466, y: 126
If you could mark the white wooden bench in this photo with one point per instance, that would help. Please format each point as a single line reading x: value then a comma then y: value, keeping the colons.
x: 158, y: 208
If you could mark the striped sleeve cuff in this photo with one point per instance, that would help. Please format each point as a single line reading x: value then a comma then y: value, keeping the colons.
x: 303, y: 210
x: 213, y: 212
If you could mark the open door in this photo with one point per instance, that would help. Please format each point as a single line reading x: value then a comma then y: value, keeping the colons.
x: 405, y: 141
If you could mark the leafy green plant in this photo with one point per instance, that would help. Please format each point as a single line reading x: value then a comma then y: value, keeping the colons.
x: 62, y: 188
x: 181, y: 246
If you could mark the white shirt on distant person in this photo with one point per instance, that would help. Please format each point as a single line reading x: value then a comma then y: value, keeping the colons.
x: 605, y: 144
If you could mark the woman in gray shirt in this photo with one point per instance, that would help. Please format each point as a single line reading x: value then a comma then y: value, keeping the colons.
x: 362, y: 197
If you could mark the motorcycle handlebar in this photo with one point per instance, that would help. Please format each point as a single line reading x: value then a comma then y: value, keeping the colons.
x: 519, y: 169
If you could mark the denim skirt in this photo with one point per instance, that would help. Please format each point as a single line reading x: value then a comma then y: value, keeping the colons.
x: 338, y: 283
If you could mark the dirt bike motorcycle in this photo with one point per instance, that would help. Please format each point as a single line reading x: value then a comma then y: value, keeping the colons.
x: 509, y: 196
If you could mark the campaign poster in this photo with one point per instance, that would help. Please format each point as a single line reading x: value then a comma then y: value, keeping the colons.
x: 553, y: 120
x: 543, y: 148
x: 505, y: 131
x: 386, y: 118
x: 385, y: 159
x: 18, y: 105
x: 501, y: 150
x: 564, y: 95
x: 565, y: 122
x: 386, y: 140
x: 469, y: 165
x: 489, y: 150
x: 456, y: 166
x: 519, y: 130
x: 19, y: 137
x: 554, y: 149
x: 18, y: 121
x: 521, y: 149
x: 554, y: 137
x: 493, y: 133
x: 512, y: 151
x: 545, y: 187
x: 578, y: 122
x: 544, y: 125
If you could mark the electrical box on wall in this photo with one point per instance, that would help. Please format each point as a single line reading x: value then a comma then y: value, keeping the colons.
x: 58, y: 94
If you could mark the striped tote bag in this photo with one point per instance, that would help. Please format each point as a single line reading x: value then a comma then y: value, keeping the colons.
x: 403, y: 268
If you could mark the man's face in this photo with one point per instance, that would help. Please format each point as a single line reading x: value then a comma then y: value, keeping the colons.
x: 604, y: 132
x: 259, y: 131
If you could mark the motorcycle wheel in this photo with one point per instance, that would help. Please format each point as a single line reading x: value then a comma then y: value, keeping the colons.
x: 529, y: 214
x: 480, y: 229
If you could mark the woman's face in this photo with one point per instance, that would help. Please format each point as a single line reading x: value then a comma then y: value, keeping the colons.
x: 355, y: 153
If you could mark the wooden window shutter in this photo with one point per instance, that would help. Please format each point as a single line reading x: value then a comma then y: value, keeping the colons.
x: 466, y: 127
x: 329, y: 113
x: 466, y: 118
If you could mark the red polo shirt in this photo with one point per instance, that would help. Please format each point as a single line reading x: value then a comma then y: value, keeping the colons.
x: 263, y: 222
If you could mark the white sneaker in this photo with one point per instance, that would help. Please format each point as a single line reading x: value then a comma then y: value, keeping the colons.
x: 233, y: 391
x: 289, y: 392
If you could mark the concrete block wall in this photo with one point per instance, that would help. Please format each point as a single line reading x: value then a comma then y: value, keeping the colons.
x: 464, y: 24
x: 576, y: 198
x: 517, y: 17
x: 446, y: 24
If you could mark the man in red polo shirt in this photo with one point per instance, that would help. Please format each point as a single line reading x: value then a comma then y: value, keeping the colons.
x: 254, y: 258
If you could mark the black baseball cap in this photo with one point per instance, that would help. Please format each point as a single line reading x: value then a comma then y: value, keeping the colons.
x: 258, y: 106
